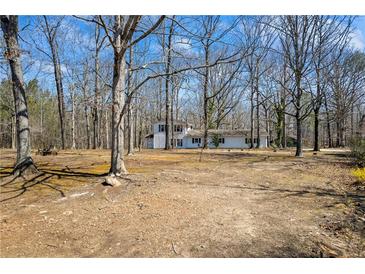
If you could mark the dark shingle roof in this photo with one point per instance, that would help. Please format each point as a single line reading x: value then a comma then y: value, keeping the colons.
x: 175, y: 122
x: 222, y: 132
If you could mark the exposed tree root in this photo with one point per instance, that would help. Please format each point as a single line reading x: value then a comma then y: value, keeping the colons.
x: 114, y: 179
x: 25, y: 167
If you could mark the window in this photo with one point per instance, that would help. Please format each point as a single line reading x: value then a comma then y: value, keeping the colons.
x: 178, y: 128
x: 161, y: 128
x: 196, y: 140
x: 248, y: 140
x: 179, y: 142
x: 221, y: 140
x: 176, y: 142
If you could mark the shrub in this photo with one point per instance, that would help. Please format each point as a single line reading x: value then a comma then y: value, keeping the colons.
x: 358, y: 151
x: 215, y: 140
x: 359, y: 173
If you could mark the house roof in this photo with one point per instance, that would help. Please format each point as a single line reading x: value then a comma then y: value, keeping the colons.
x: 222, y: 132
x: 175, y: 122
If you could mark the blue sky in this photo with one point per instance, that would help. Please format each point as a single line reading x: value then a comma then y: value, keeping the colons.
x: 43, y: 69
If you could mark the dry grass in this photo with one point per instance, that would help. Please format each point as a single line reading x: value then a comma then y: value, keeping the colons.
x: 233, y: 203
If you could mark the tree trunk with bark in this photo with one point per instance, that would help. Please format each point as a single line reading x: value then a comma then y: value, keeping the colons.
x: 97, y: 111
x: 316, y: 129
x: 51, y: 37
x: 118, y: 92
x: 328, y: 122
x: 13, y: 131
x: 24, y: 161
x: 299, y: 148
x: 86, y: 108
x: 130, y: 130
x: 252, y: 122
x: 257, y: 109
x: 107, y: 130
x: 167, y: 87
x: 96, y: 129
x: 73, y: 146
x: 130, y: 116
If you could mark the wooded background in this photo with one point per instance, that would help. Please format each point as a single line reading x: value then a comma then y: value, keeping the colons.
x: 299, y: 78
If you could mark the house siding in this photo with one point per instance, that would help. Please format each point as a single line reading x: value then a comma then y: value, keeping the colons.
x: 229, y: 142
x: 236, y: 141
x: 159, y: 137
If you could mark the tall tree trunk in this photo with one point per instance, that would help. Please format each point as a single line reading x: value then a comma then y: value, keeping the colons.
x: 167, y: 82
x: 342, y: 133
x: 73, y: 146
x: 172, y: 117
x: 107, y: 146
x: 299, y: 149
x: 118, y: 92
x: 316, y: 129
x: 338, y: 133
x: 95, y: 111
x: 352, y: 121
x: 328, y: 123
x: 267, y: 127
x: 160, y: 106
x: 13, y: 131
x: 86, y: 111
x: 257, y: 110
x: 177, y: 103
x: 283, y: 104
x: 135, y: 127
x: 59, y: 87
x: 140, y: 132
x: 130, y: 105
x: 60, y: 96
x: 317, y: 107
x: 206, y: 97
x: 130, y: 130
x: 101, y: 129
x: 279, y: 126
x: 284, y: 142
x: 24, y: 161
x: 252, y: 122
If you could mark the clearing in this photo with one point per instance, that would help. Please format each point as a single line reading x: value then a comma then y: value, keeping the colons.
x: 234, y: 203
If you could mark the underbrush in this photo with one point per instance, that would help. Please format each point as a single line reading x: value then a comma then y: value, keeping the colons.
x: 359, y: 173
x: 358, y: 151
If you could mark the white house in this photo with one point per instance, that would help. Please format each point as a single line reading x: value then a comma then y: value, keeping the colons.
x: 184, y: 136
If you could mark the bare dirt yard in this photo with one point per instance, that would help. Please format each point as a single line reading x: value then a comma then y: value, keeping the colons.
x: 234, y: 203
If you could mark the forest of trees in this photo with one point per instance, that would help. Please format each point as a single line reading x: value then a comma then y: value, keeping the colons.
x: 100, y: 82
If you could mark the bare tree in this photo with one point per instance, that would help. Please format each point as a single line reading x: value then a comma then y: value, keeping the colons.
x: 297, y: 37
x: 73, y: 114
x: 331, y: 36
x: 347, y: 82
x: 261, y: 36
x: 24, y: 161
x: 85, y: 93
x: 167, y: 86
x: 120, y: 36
x: 50, y: 30
x: 130, y: 117
x: 96, y: 113
x: 210, y: 35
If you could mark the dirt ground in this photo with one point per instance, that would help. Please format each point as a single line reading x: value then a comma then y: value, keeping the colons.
x: 234, y: 203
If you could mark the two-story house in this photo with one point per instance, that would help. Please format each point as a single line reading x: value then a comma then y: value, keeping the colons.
x: 184, y: 136
x: 157, y: 139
